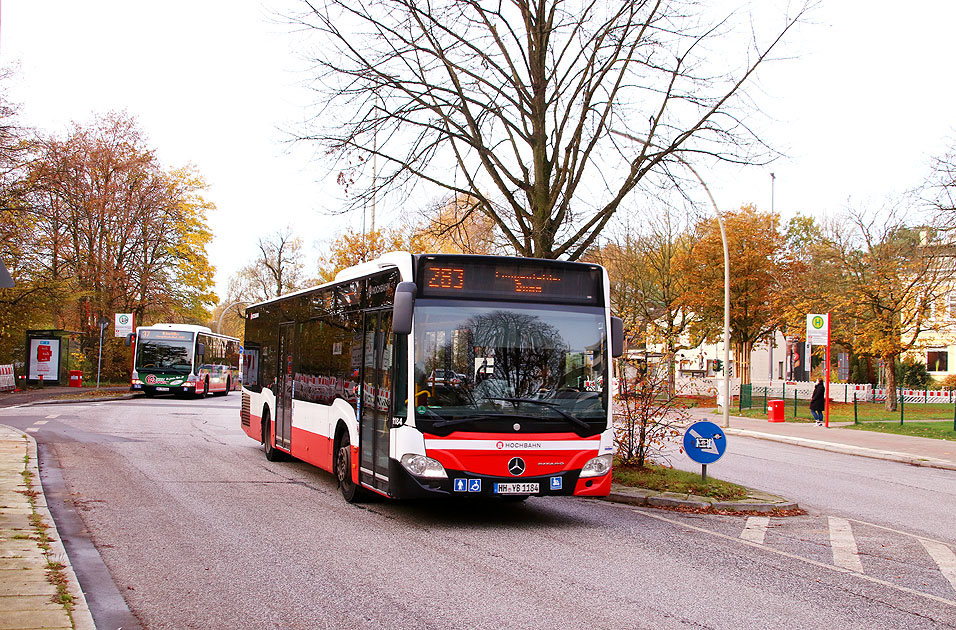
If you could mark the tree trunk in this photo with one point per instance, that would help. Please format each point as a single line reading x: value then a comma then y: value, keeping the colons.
x: 889, y: 361
x: 671, y: 370
x: 742, y: 353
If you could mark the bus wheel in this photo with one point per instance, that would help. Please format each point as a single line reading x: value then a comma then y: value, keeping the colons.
x: 205, y: 389
x: 149, y: 393
x: 228, y: 387
x: 272, y: 453
x: 343, y: 470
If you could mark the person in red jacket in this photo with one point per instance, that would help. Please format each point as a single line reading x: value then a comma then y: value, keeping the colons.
x: 818, y: 402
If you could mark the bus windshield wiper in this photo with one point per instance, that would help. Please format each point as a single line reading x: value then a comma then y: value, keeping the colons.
x: 442, y: 422
x: 583, y: 426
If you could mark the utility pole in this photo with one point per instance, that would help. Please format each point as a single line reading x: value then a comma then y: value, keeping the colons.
x: 773, y: 333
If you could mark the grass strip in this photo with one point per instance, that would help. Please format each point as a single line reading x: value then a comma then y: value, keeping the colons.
x: 664, y: 479
x: 935, y: 430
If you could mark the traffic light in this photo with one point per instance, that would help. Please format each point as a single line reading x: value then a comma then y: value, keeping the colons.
x: 718, y: 365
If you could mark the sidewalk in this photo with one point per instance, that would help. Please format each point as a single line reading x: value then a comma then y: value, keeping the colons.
x: 29, y: 597
x: 899, y: 448
x: 60, y: 394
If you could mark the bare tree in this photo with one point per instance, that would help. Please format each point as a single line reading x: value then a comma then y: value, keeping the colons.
x: 942, y: 188
x: 277, y: 270
x: 514, y: 103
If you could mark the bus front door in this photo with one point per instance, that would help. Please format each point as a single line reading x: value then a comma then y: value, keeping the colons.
x: 376, y: 400
x: 285, y: 383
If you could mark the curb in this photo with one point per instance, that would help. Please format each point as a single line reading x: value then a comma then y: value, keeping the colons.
x: 846, y: 449
x: 761, y: 502
x: 82, y: 619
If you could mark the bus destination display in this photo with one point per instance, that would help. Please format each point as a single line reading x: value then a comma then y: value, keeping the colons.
x: 562, y: 282
x: 165, y: 335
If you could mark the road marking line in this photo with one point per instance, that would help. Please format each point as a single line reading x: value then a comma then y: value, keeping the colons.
x: 41, y: 422
x: 862, y: 576
x: 944, y: 557
x: 845, y: 553
x: 32, y: 430
x: 896, y: 531
x: 53, y: 415
x: 756, y: 529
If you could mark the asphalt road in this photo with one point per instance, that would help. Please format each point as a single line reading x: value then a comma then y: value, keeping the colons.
x: 911, y: 498
x: 198, y: 530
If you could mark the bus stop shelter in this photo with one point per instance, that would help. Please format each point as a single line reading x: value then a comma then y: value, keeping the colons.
x: 48, y: 356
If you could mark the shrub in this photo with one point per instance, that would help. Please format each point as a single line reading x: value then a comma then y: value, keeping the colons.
x: 648, y: 415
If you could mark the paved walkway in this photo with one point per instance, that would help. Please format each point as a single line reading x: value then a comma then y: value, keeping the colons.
x: 902, y: 448
x: 28, y: 597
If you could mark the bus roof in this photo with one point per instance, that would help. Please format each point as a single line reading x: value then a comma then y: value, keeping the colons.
x: 400, y: 260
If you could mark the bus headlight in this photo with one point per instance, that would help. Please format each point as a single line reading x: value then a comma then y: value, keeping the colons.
x: 597, y: 466
x: 422, y: 466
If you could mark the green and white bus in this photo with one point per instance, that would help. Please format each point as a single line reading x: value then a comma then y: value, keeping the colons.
x: 185, y: 360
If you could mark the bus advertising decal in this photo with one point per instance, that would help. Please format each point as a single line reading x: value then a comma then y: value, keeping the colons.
x: 153, y: 379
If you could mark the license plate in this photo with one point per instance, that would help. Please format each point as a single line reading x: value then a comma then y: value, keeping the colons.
x: 162, y: 389
x: 516, y: 488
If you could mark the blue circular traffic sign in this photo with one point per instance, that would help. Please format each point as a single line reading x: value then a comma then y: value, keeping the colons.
x: 704, y: 442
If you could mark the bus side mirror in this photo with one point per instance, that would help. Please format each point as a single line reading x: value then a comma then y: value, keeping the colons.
x: 200, y: 349
x: 130, y: 338
x: 404, y: 308
x: 617, y: 336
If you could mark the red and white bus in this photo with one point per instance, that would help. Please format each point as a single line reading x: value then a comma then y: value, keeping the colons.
x: 440, y: 375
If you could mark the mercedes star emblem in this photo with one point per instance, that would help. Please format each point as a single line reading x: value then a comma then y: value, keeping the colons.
x: 516, y: 466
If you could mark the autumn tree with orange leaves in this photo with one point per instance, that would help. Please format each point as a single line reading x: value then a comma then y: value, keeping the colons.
x: 352, y: 248
x: 106, y: 228
x: 753, y: 243
x: 887, y: 277
x: 456, y: 226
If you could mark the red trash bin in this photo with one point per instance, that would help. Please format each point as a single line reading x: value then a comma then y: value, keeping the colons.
x: 76, y: 378
x: 775, y: 411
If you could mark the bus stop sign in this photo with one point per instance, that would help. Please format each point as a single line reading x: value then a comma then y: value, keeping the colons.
x: 704, y: 442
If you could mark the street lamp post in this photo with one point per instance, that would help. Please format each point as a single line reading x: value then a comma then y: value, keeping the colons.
x: 223, y: 314
x: 723, y: 238
x: 103, y: 323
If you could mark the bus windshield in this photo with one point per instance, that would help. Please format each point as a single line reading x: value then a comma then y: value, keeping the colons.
x: 496, y: 362
x: 164, y: 351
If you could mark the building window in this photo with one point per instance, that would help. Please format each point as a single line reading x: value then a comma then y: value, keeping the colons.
x: 937, y: 360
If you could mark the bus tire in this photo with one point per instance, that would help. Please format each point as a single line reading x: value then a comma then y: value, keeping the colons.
x: 228, y: 389
x: 205, y: 389
x: 272, y: 453
x: 343, y: 470
x: 149, y: 393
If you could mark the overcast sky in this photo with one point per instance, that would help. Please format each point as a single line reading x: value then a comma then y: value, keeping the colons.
x: 860, y: 110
